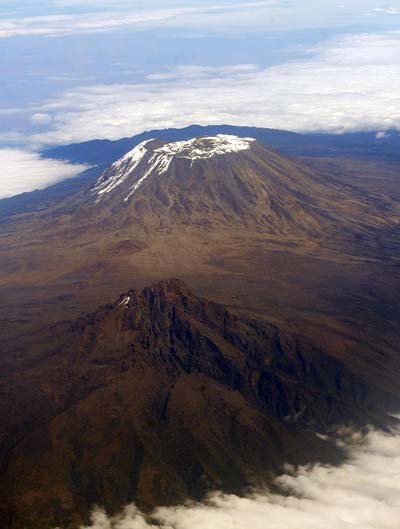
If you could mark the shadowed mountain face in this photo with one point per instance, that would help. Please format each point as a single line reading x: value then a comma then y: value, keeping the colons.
x: 164, y: 395
x: 158, y: 397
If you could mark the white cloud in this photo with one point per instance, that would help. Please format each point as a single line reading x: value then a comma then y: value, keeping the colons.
x: 344, y: 85
x: 41, y: 119
x: 382, y: 134
x: 60, y: 24
x: 363, y: 493
x: 387, y: 10
x: 23, y: 171
x: 193, y: 72
x: 68, y: 17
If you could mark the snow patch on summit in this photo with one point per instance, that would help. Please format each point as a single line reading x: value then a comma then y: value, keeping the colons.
x: 125, y: 301
x: 194, y: 149
x: 120, y: 170
x: 205, y: 147
x: 160, y: 159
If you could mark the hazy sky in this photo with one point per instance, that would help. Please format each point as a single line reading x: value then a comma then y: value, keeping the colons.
x: 73, y: 70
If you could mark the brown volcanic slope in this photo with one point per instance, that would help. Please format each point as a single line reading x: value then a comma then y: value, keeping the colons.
x: 263, y: 234
x: 241, y: 224
x: 158, y: 397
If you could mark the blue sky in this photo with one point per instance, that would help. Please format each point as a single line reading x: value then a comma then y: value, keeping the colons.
x: 73, y: 70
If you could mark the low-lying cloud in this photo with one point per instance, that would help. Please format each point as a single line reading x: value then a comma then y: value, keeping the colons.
x: 387, y: 10
x: 70, y: 17
x: 363, y: 493
x: 67, y: 23
x: 23, y: 171
x: 346, y: 84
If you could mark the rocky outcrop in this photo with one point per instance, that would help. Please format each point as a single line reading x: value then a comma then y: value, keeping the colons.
x: 161, y: 396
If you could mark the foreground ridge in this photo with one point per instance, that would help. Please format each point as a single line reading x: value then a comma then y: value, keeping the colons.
x: 160, y: 396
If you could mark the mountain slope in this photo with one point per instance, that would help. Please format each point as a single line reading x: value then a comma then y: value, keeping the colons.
x: 222, y: 179
x: 231, y: 175
x: 249, y: 227
x: 161, y: 396
x: 214, y: 180
x: 357, y: 148
x: 113, y: 407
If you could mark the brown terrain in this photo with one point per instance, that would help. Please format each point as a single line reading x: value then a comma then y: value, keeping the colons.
x: 163, y: 394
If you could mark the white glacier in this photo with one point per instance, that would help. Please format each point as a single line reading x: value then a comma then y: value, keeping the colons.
x: 194, y: 149
x: 121, y: 169
x: 161, y: 158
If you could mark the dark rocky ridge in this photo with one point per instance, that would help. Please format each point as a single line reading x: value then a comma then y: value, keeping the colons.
x: 171, y: 395
x: 161, y: 396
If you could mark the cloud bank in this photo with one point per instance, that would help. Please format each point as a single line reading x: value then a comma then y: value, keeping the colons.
x: 67, y: 23
x: 387, y: 10
x: 23, y: 171
x: 345, y: 84
x: 363, y: 493
x: 69, y: 17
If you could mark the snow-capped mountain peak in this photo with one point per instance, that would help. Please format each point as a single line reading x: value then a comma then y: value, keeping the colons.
x: 120, y: 170
x: 205, y: 147
x: 158, y: 159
